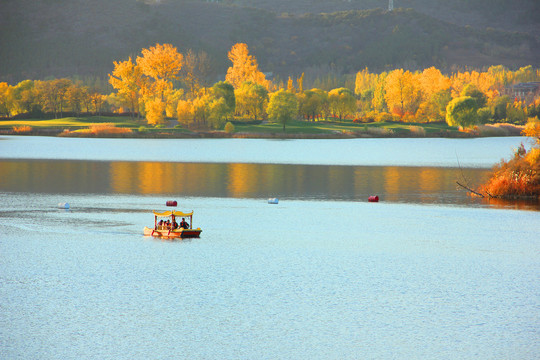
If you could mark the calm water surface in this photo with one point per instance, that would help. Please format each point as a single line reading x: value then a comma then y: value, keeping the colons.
x: 426, y: 273
x: 481, y: 152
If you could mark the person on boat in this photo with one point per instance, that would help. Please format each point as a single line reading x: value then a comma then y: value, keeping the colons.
x: 184, y: 224
x: 174, y: 225
x: 160, y: 225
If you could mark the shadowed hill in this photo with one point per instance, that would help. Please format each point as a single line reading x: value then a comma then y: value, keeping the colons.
x: 79, y: 37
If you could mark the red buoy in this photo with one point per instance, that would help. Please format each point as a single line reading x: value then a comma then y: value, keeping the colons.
x: 373, y: 198
x: 171, y: 203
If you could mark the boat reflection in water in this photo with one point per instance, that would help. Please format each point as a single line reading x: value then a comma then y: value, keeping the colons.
x: 238, y: 180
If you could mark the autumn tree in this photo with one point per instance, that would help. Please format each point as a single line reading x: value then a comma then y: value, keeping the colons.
x: 365, y: 86
x: 378, y: 101
x: 324, y: 109
x: 300, y: 83
x: 244, y: 68
x: 282, y: 107
x: 224, y: 90
x: 462, y: 111
x: 127, y: 79
x: 219, y: 111
x: 184, y: 112
x: 532, y: 129
x: 202, y: 111
x: 402, y: 95
x: 97, y: 100
x: 161, y: 64
x: 364, y: 82
x: 74, y: 98
x: 435, y: 95
x: 51, y: 95
x: 251, y: 100
x: 311, y: 103
x: 5, y: 99
x: 24, y: 97
x: 342, y: 102
x: 432, y: 81
x: 155, y: 111
x: 499, y: 106
x: 195, y: 71
x: 472, y: 91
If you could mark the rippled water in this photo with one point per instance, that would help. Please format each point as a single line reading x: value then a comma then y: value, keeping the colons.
x: 317, y: 276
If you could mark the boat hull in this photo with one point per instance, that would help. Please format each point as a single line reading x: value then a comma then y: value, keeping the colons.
x: 177, y: 233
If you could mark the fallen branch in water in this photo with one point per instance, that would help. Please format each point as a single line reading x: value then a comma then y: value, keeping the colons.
x: 470, y: 190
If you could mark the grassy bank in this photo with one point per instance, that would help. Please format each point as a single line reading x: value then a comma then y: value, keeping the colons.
x: 85, y: 126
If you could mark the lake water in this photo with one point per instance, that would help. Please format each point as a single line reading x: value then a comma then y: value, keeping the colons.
x: 428, y: 272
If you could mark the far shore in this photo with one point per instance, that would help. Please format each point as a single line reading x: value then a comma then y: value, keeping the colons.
x: 115, y: 127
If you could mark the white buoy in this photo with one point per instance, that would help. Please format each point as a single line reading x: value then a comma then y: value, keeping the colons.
x: 273, y: 200
x: 63, y: 205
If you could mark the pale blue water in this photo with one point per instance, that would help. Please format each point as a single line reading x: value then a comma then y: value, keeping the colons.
x: 479, y: 152
x: 308, y: 278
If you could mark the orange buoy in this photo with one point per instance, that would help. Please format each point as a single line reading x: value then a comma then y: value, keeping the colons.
x: 373, y: 198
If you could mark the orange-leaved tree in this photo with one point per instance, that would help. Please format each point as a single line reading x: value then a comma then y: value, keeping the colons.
x: 402, y: 93
x: 244, y: 68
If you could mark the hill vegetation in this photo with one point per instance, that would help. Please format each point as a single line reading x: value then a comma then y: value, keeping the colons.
x: 68, y: 38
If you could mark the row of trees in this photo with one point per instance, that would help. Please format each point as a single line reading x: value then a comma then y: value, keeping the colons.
x: 162, y: 83
x: 58, y: 96
x: 462, y: 98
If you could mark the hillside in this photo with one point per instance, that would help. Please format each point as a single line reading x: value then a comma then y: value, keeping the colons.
x: 78, y: 37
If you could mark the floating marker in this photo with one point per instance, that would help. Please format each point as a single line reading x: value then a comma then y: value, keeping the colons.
x: 273, y: 200
x: 63, y: 205
x: 171, y: 203
x: 373, y: 198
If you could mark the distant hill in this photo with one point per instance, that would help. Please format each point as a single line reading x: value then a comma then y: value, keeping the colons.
x: 64, y: 38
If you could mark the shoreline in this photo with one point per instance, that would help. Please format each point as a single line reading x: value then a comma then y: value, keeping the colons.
x: 252, y: 135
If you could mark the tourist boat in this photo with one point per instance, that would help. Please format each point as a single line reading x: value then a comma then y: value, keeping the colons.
x: 170, y: 231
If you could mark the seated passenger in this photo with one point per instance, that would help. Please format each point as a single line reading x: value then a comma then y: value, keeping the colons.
x: 184, y: 224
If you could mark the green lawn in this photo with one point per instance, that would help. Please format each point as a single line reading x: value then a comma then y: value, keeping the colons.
x: 307, y: 127
x: 293, y: 127
x: 69, y: 122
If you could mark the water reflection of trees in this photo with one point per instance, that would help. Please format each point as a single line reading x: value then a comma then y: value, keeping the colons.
x: 392, y: 183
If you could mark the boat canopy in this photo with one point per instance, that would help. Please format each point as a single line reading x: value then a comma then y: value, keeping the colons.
x: 173, y: 212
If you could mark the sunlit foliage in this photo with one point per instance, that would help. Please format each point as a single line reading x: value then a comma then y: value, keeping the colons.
x: 462, y: 111
x: 342, y: 102
x: 251, y: 100
x: 164, y: 84
x: 244, y: 68
x: 127, y: 79
x: 282, y: 107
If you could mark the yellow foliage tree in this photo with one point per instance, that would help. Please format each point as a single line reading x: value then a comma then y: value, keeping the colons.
x: 5, y: 99
x: 161, y: 62
x: 244, y: 68
x: 155, y: 110
x: 364, y: 81
x: 484, y: 81
x: 433, y: 81
x: 184, y: 112
x: 162, y: 65
x: 127, y: 79
x: 402, y: 94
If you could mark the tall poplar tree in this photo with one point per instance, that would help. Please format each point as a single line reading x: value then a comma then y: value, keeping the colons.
x: 244, y: 68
